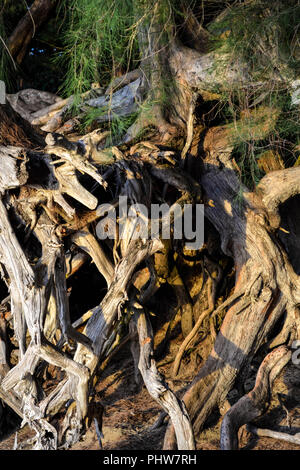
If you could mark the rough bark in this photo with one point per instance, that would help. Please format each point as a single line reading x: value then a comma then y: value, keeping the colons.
x: 14, y: 130
x: 19, y: 40
x: 252, y: 405
x: 266, y: 284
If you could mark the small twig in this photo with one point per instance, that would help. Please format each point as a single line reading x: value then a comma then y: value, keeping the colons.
x: 288, y: 418
x: 189, y: 131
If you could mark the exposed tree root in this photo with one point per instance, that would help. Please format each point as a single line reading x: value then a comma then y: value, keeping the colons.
x: 252, y: 405
x: 211, y: 295
x: 263, y: 272
x: 157, y: 388
x: 293, y: 438
x: 54, y: 196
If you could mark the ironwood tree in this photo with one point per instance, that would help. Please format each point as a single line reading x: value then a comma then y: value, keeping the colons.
x: 201, y: 106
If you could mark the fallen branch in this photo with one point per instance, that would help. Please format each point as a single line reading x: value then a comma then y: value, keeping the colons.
x: 260, y: 432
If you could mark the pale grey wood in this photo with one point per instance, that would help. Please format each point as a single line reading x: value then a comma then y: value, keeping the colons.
x: 62, y: 303
x: 74, y: 154
x: 100, y: 323
x: 122, y: 103
x: 41, y: 116
x: 3, y: 347
x: 156, y: 385
x: 69, y: 184
x: 34, y: 290
x: 21, y: 275
x: 19, y: 322
x: 30, y: 101
x: 261, y: 432
x: 119, y: 82
x: 13, y: 171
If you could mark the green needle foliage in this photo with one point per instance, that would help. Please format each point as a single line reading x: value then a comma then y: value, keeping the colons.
x: 11, y: 11
x: 100, y: 39
x: 116, y: 125
x: 5, y: 65
x: 264, y: 35
x: 98, y: 42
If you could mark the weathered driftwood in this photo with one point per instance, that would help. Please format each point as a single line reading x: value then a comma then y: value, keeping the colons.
x: 266, y: 286
x: 121, y: 103
x: 30, y: 290
x: 13, y: 168
x: 33, y: 291
x: 28, y: 102
x: 99, y: 326
x: 119, y: 82
x: 121, y: 99
x: 43, y: 115
x: 87, y: 242
x: 38, y: 293
x: 56, y: 120
x: 69, y: 184
x: 73, y: 154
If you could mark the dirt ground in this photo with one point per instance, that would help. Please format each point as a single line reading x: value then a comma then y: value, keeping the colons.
x: 130, y: 413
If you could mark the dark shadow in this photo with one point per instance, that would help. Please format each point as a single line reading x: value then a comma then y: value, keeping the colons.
x: 121, y: 368
x: 87, y: 288
x: 9, y: 421
x: 290, y: 221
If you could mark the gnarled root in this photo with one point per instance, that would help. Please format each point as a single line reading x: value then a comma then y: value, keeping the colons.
x: 156, y: 386
x: 233, y: 349
x: 252, y: 405
x: 212, y: 286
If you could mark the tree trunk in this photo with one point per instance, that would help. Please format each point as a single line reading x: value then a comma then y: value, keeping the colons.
x: 19, y: 40
x: 266, y: 284
x: 52, y: 197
